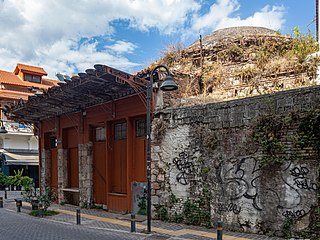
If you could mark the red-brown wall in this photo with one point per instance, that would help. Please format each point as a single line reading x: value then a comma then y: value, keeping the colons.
x: 84, y: 121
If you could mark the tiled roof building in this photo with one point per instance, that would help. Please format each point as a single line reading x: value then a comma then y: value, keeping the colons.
x: 23, y: 82
x: 18, y: 145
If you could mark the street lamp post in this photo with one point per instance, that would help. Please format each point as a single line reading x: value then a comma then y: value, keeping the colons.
x: 167, y: 85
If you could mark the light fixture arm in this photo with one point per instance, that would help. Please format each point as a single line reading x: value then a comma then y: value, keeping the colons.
x: 156, y: 68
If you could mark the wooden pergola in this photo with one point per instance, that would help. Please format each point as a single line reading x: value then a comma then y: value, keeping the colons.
x: 99, y: 85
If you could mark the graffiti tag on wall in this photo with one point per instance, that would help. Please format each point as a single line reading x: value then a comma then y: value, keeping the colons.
x: 185, y: 166
x: 229, y: 207
x: 240, y: 178
x: 301, y: 179
x: 294, y: 213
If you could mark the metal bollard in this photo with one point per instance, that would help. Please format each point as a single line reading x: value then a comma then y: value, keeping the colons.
x: 18, y: 204
x: 1, y: 202
x: 219, y: 230
x: 5, y: 193
x: 78, y: 217
x: 133, y: 222
x: 40, y: 210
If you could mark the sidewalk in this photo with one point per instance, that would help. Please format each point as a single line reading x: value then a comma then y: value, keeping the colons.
x: 101, y: 219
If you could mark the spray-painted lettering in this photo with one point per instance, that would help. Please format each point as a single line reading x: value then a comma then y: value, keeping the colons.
x: 185, y: 166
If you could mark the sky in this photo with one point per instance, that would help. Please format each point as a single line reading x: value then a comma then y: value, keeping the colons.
x: 70, y: 36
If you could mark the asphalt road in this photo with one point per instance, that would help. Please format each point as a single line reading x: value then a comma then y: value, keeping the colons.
x: 18, y: 226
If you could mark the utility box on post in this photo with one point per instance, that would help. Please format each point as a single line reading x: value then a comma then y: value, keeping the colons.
x: 139, y: 198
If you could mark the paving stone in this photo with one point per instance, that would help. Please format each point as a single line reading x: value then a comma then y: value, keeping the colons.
x: 95, y: 222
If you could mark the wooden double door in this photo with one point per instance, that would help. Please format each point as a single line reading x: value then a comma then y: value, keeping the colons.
x: 116, y: 149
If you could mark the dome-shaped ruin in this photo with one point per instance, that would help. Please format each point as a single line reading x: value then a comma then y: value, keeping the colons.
x: 239, y: 62
x: 235, y: 33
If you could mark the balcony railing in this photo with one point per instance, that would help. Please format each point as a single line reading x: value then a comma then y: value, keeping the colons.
x: 17, y: 127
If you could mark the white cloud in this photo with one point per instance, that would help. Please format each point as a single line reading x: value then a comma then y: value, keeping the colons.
x: 222, y: 14
x: 51, y: 33
x: 269, y: 17
x: 73, y: 58
x: 122, y: 47
x: 218, y: 11
x: 40, y: 32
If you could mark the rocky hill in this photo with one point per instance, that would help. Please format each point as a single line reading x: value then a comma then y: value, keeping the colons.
x: 240, y: 62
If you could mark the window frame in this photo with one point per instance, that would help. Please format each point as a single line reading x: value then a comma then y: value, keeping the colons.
x: 31, y: 78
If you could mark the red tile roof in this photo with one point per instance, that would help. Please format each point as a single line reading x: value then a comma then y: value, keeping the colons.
x: 30, y: 69
x: 12, y: 79
x: 14, y: 95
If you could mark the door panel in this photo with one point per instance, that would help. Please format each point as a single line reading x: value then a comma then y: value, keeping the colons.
x: 118, y: 163
x: 139, y: 151
x: 73, y: 167
x: 99, y: 172
x: 54, y: 170
x: 140, y: 170
x: 71, y: 136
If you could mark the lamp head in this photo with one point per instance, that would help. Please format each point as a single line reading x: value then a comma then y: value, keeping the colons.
x: 169, y: 84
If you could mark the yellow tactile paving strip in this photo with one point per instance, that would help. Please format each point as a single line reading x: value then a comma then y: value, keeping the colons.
x: 175, y: 233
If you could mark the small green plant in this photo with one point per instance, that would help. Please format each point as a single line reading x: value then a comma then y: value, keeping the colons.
x: 84, y: 205
x: 94, y: 206
x: 303, y: 45
x: 158, y: 128
x: 287, y: 227
x: 246, y: 74
x: 46, y: 198
x: 205, y: 170
x: 39, y: 212
x: 173, y: 199
x: 19, y: 180
x: 162, y: 213
x: 3, y: 179
x: 171, y: 54
x: 315, y: 216
x: 267, y: 134
x: 309, y: 131
x: 142, y: 206
x: 177, y: 217
x: 233, y: 53
x: 194, y: 215
x: 210, y: 140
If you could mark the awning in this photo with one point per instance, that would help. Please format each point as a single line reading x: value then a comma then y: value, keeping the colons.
x: 21, y: 158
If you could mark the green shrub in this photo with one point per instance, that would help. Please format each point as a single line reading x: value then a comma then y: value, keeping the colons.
x: 142, y: 206
x: 37, y: 213
x: 162, y: 213
x: 19, y: 180
x: 177, y: 217
x: 46, y: 198
x: 3, y: 179
x: 287, y: 227
x: 194, y: 215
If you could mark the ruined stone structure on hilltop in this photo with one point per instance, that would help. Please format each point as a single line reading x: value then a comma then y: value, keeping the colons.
x: 240, y: 62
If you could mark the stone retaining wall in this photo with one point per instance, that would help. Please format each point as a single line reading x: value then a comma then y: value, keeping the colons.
x: 206, y: 165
